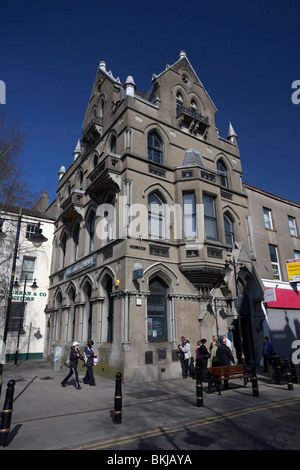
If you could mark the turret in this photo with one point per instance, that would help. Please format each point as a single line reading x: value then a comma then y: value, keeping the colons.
x: 231, y: 134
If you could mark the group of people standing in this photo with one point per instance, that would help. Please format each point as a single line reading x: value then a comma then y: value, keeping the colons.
x: 89, y: 358
x: 219, y: 353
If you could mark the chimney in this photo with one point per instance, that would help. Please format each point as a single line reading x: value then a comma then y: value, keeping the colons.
x: 43, y: 203
x: 129, y: 86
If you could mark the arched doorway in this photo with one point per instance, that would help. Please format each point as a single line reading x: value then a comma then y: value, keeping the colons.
x: 110, y: 310
x: 87, y: 289
x: 244, y: 328
x: 157, y: 311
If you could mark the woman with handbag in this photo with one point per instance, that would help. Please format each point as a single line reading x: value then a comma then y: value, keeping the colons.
x: 74, y: 356
x: 90, y: 357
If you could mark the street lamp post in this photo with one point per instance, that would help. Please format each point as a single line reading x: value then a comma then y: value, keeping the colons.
x: 227, y: 269
x: 20, y: 322
x: 12, y: 277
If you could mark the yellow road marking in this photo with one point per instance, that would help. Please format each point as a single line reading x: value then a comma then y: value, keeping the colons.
x: 180, y: 427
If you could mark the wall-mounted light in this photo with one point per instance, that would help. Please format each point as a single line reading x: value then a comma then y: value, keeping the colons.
x: 37, y: 238
x: 34, y: 285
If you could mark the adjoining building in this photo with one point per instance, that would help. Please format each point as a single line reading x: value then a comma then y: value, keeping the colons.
x: 24, y: 321
x: 147, y: 217
x: 276, y: 243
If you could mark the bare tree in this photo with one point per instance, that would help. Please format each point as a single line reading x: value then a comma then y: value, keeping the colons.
x: 14, y: 188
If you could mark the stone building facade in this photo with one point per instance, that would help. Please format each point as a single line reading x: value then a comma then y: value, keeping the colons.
x: 276, y: 243
x: 146, y: 217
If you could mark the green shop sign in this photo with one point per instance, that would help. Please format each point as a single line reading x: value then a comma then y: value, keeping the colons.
x: 18, y: 295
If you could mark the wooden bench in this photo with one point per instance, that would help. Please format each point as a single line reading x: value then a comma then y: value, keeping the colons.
x: 224, y: 373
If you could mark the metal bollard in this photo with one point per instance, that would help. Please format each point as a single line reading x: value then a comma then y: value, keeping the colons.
x: 7, y: 414
x: 118, y: 400
x: 199, y: 388
x: 288, y: 375
x: 1, y: 371
x: 254, y: 381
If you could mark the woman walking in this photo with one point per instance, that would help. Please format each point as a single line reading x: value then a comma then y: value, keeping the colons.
x: 74, y: 356
x: 89, y: 357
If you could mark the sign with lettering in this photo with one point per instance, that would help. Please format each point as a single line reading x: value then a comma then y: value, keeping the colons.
x: 81, y: 266
x: 17, y: 296
x: 293, y: 269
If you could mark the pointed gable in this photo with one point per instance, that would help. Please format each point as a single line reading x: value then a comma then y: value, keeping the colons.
x: 181, y: 65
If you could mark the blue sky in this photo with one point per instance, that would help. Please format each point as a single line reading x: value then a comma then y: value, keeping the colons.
x: 246, y: 53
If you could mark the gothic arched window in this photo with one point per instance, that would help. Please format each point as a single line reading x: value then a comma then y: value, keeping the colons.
x: 155, y: 148
x: 157, y: 311
x: 156, y: 217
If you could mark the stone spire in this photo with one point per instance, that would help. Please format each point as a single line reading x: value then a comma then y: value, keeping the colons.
x: 61, y: 172
x: 77, y: 150
x: 232, y: 136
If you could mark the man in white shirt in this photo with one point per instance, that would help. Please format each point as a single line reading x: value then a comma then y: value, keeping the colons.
x: 186, y: 349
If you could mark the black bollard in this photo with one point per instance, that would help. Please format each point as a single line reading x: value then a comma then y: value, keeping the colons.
x: 118, y: 400
x: 199, y: 387
x: 254, y: 381
x: 288, y: 375
x: 1, y: 371
x: 7, y: 414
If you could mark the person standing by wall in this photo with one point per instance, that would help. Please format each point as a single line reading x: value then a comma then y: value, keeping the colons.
x: 268, y: 351
x: 186, y: 349
x: 213, y: 355
x: 225, y: 357
x: 224, y: 354
x: 89, y: 357
x: 205, y: 355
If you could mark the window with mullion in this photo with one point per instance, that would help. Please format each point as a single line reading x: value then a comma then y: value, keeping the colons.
x: 155, y: 148
x: 274, y: 262
x: 91, y: 230
x: 28, y: 268
x: 268, y: 218
x: 156, y: 217
x: 229, y: 231
x: 210, y: 218
x: 292, y: 225
x: 189, y: 212
x: 76, y: 241
x: 222, y: 170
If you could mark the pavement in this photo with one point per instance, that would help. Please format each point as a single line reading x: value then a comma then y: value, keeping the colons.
x: 47, y: 416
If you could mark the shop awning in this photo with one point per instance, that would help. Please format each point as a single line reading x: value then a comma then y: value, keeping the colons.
x: 285, y: 298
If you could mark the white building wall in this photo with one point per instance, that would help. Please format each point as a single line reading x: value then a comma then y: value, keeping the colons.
x: 33, y: 337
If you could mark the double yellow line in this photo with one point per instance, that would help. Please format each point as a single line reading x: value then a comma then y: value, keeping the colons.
x: 182, y: 426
